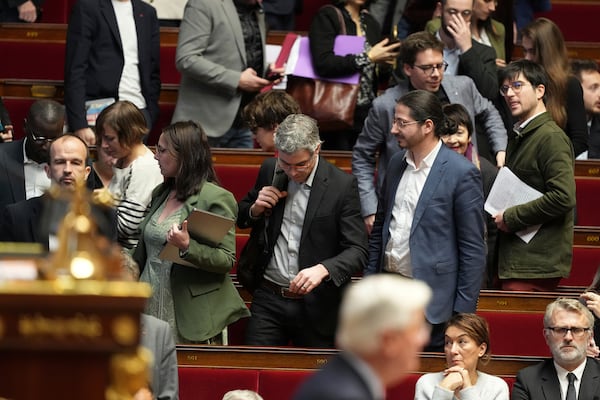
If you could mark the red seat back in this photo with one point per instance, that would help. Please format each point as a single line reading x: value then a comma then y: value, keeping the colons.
x: 213, y: 383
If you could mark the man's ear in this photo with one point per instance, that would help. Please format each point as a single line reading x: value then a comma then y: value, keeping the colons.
x: 47, y: 169
x: 540, y: 91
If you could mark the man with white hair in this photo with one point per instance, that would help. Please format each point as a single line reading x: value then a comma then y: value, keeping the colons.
x: 381, y: 330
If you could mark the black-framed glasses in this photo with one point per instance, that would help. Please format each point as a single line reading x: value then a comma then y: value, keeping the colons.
x: 37, y: 138
x: 301, y: 166
x: 428, y: 69
x: 400, y: 123
x: 561, y: 331
x: 516, y: 87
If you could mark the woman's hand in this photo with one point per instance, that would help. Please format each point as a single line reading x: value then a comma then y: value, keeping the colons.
x: 179, y: 237
x: 456, y: 378
x: 384, y: 52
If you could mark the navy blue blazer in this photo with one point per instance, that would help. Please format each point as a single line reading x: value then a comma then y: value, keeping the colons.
x: 94, y: 56
x: 447, y: 246
x: 540, y: 382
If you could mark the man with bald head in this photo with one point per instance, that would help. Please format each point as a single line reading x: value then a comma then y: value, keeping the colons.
x: 35, y: 219
x: 22, y: 174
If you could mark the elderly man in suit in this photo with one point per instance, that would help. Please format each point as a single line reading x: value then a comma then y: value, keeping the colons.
x: 220, y: 54
x: 36, y: 220
x: 569, y: 374
x: 113, y: 51
x: 381, y: 332
x: 316, y: 240
x: 423, y: 64
x: 22, y: 162
x: 429, y: 224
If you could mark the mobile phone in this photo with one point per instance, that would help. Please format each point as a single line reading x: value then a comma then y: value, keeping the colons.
x: 280, y: 180
x: 271, y: 76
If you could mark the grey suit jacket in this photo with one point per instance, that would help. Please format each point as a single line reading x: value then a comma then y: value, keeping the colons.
x: 158, y: 338
x: 539, y: 382
x: 447, y: 247
x: 376, y: 137
x: 211, y: 56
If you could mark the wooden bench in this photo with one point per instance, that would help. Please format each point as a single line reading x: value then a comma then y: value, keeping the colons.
x: 207, y: 372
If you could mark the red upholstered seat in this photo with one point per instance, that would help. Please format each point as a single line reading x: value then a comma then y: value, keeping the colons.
x: 49, y: 60
x: 516, y: 333
x: 404, y: 389
x: 17, y: 108
x: 168, y: 71
x: 572, y: 17
x: 238, y: 179
x: 280, y: 385
x: 586, y: 260
x: 213, y: 383
x: 588, y: 199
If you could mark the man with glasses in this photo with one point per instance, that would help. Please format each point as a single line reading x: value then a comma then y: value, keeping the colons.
x: 569, y: 374
x: 315, y: 240
x: 429, y: 225
x: 464, y: 55
x: 22, y: 162
x: 423, y: 64
x: 541, y: 155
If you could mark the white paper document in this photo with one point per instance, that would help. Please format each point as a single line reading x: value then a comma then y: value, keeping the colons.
x: 508, y: 191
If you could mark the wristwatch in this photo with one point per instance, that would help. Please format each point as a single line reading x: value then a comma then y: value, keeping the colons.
x: 184, y: 253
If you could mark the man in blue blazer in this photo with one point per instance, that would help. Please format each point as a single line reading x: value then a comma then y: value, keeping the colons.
x: 429, y: 223
x: 375, y: 144
x: 113, y: 51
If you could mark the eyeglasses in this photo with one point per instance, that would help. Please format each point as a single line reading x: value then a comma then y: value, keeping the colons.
x: 400, y: 123
x: 36, y: 138
x: 300, y: 167
x: 466, y: 14
x: 428, y: 69
x: 516, y: 87
x: 559, y: 331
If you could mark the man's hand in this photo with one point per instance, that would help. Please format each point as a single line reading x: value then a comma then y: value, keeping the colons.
x: 499, y: 220
x: 27, y: 11
x: 500, y: 158
x: 308, y: 279
x: 7, y: 135
x: 251, y: 82
x: 461, y: 32
x: 87, y: 135
x: 266, y: 200
x: 369, y: 221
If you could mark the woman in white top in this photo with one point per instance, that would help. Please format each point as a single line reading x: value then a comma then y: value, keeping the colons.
x: 467, y: 340
x: 121, y: 127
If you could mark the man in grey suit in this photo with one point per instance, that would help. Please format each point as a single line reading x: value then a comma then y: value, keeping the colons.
x: 429, y: 224
x: 220, y: 54
x: 569, y: 374
x: 423, y: 64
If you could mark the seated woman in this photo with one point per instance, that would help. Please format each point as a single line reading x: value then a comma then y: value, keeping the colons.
x: 121, y: 127
x: 197, y: 299
x: 467, y: 340
x: 460, y: 141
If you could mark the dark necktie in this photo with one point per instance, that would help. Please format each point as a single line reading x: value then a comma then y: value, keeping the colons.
x: 571, y: 394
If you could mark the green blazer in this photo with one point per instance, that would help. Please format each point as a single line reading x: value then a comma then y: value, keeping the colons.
x: 205, y: 299
x: 497, y: 40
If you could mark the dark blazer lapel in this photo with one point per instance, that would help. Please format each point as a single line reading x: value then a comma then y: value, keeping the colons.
x: 236, y: 27
x: 38, y: 223
x: 17, y: 177
x: 438, y: 170
x: 141, y: 28
x: 317, y: 191
x: 108, y: 13
x: 590, y: 381
x: 549, y: 382
x: 393, y: 177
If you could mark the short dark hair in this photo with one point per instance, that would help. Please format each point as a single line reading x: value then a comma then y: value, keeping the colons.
x: 533, y: 72
x: 458, y: 115
x: 416, y: 43
x: 476, y: 328
x: 45, y: 114
x: 579, y: 66
x: 187, y: 142
x: 424, y: 105
x: 126, y: 119
x: 269, y: 109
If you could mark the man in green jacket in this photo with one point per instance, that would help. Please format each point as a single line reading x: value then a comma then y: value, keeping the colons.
x: 541, y: 155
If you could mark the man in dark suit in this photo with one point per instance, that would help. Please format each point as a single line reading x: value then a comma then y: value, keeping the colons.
x: 381, y: 332
x: 588, y: 74
x: 113, y: 51
x: 429, y: 224
x: 569, y: 374
x: 22, y: 162
x: 37, y: 219
x: 315, y: 240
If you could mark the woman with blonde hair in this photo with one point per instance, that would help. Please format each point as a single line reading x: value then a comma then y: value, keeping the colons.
x: 543, y: 43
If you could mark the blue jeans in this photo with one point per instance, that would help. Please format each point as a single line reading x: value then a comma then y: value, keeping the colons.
x: 238, y: 138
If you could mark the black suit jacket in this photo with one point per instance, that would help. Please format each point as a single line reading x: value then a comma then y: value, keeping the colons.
x: 338, y: 380
x: 479, y: 64
x: 333, y: 234
x: 539, y: 382
x: 594, y: 139
x: 32, y: 220
x: 94, y: 56
x: 12, y: 174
